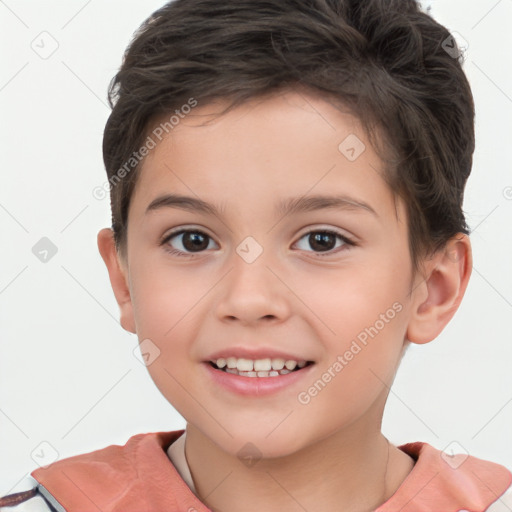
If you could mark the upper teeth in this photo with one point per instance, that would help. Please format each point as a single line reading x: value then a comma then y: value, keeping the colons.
x: 248, y: 365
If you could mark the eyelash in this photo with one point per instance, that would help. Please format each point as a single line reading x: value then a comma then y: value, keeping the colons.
x: 176, y: 252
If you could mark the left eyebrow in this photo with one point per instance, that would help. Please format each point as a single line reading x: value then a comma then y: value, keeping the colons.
x: 283, y: 208
x: 321, y: 202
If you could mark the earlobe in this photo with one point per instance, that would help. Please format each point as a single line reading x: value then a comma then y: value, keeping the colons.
x: 436, y: 299
x: 118, y: 278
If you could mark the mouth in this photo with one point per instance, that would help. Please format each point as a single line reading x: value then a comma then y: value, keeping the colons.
x: 267, y: 367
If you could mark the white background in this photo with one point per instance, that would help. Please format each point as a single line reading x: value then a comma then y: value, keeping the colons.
x: 68, y: 376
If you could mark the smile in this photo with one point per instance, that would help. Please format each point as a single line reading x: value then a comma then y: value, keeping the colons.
x: 257, y: 377
x: 267, y: 367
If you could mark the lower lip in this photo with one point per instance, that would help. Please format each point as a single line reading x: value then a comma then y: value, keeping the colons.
x: 256, y: 386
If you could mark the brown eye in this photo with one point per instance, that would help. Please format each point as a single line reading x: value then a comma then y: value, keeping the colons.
x: 187, y: 241
x: 194, y: 241
x: 324, y: 241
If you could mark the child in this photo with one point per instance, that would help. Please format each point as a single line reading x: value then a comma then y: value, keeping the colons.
x: 244, y: 136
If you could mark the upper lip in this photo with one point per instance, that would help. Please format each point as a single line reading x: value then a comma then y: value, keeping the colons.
x: 253, y: 353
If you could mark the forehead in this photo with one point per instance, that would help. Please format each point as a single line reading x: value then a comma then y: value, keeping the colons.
x: 282, y: 146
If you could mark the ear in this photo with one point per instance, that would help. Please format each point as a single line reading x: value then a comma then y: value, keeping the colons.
x: 437, y: 298
x: 118, y: 277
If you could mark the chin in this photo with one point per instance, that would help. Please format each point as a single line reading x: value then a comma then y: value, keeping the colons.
x: 253, y: 445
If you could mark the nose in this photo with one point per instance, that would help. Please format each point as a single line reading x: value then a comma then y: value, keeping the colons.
x: 252, y: 293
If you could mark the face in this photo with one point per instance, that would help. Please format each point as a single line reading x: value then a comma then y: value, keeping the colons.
x: 243, y: 278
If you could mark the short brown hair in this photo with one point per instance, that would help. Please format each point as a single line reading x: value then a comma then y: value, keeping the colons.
x: 384, y: 60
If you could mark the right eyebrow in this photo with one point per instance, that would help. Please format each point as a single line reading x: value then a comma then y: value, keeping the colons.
x: 191, y: 204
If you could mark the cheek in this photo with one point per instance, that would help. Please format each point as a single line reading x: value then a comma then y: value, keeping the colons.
x: 355, y: 299
x: 168, y: 307
x: 164, y: 298
x: 165, y: 308
x: 364, y: 320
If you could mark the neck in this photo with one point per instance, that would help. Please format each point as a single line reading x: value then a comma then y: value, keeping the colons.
x: 354, y: 470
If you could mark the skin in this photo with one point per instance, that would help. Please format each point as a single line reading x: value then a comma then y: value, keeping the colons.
x: 328, y: 454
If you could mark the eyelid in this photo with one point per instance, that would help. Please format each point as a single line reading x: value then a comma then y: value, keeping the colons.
x: 314, y: 228
x: 184, y: 228
x: 319, y: 227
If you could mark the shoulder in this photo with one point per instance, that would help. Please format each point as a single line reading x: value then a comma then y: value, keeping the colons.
x: 115, y: 472
x: 443, y: 480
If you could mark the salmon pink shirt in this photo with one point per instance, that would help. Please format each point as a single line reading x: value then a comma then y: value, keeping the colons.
x: 150, y: 473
